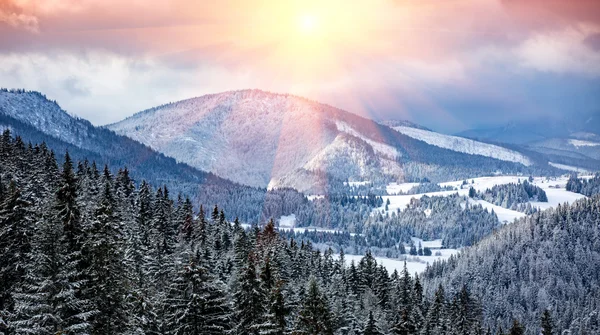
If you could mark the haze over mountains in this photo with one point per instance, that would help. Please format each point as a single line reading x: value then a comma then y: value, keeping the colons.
x: 570, y: 140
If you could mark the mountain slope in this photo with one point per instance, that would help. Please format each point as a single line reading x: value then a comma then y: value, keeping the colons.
x: 550, y: 260
x: 266, y: 139
x: 571, y: 141
x: 36, y: 119
x: 464, y: 145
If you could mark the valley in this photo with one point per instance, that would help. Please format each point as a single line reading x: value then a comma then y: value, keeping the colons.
x: 401, y: 199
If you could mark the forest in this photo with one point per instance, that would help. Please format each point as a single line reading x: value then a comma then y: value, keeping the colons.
x: 85, y: 251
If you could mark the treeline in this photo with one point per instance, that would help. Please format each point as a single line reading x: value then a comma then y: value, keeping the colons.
x: 550, y: 260
x: 450, y: 218
x: 83, y: 251
x: 587, y: 187
x: 512, y: 196
x: 428, y: 187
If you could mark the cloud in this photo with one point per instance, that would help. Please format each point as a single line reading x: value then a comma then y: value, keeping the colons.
x: 12, y: 15
x: 438, y: 61
x: 562, y: 52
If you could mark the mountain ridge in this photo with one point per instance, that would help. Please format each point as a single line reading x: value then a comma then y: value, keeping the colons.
x: 278, y: 135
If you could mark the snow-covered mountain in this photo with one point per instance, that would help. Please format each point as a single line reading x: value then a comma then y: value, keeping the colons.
x: 263, y: 139
x: 279, y: 140
x: 464, y: 145
x: 36, y: 119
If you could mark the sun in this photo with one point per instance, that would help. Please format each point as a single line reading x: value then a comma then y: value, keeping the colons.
x: 308, y: 23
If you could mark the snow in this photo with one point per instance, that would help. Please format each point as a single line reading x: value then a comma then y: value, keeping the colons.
x: 414, y: 264
x: 568, y: 167
x: 555, y: 190
x: 557, y: 196
x: 580, y: 143
x: 395, y: 188
x: 302, y: 230
x: 433, y: 244
x: 287, y: 221
x: 357, y: 183
x: 381, y: 148
x: 464, y: 145
x: 399, y: 202
x: 294, y: 138
x: 504, y: 215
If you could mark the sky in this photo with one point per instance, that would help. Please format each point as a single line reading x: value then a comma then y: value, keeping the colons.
x: 450, y: 65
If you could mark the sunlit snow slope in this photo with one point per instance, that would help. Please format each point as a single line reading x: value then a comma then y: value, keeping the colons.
x: 464, y: 145
x: 273, y: 140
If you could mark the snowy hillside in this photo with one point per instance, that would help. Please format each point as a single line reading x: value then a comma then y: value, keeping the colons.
x: 273, y: 140
x: 261, y: 139
x: 34, y: 109
x: 464, y: 145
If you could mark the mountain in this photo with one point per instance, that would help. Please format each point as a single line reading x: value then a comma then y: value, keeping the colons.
x: 460, y: 144
x: 573, y: 141
x: 279, y: 140
x: 36, y: 119
x: 580, y: 126
x: 550, y: 260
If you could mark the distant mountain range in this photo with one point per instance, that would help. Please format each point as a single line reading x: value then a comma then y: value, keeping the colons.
x: 574, y: 140
x: 279, y: 140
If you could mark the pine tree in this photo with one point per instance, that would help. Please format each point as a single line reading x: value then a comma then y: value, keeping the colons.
x: 547, y: 324
x: 198, y: 303
x: 464, y: 314
x: 314, y: 317
x: 16, y: 228
x: 274, y: 320
x: 371, y: 328
x: 106, y: 270
x: 436, y: 320
x: 49, y: 301
x: 516, y: 329
x: 249, y: 301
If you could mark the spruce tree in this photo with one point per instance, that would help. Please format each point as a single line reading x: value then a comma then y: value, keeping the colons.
x: 547, y: 324
x: 249, y: 301
x: 516, y: 329
x: 197, y: 303
x: 314, y: 317
x: 16, y: 230
x: 370, y: 327
x: 106, y: 269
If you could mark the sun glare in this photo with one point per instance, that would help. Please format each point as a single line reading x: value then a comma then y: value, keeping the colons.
x: 308, y: 23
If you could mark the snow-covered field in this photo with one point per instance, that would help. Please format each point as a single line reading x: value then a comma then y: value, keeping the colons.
x: 357, y: 183
x: 414, y: 264
x: 401, y: 201
x: 554, y: 187
x: 288, y: 223
x: 504, y: 215
x: 395, y: 188
x: 464, y: 145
